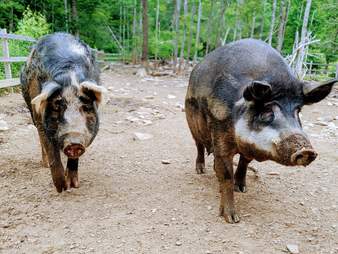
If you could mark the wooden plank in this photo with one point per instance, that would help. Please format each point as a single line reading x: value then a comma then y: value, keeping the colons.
x: 5, y: 52
x: 16, y: 37
x: 13, y: 59
x: 9, y: 82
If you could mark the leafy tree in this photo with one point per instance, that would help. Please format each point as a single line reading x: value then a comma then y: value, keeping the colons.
x: 33, y: 24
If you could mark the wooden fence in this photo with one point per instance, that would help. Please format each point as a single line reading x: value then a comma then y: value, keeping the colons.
x: 7, y: 59
x: 9, y: 81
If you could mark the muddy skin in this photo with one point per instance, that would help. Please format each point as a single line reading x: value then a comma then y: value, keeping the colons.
x: 61, y: 87
x: 243, y: 99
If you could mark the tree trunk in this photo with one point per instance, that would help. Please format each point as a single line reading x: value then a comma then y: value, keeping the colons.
x: 303, y: 40
x: 261, y: 31
x: 221, y: 25
x: 66, y: 15
x: 177, y: 31
x: 209, y: 26
x: 124, y: 34
x: 184, y: 35
x: 283, y: 16
x: 134, y: 57
x: 193, y: 10
x: 144, y: 57
x: 198, y: 30
x: 273, y: 17
x: 75, y: 25
x: 253, y: 26
x: 157, y: 29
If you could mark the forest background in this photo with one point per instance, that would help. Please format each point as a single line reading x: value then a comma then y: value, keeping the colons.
x: 179, y: 31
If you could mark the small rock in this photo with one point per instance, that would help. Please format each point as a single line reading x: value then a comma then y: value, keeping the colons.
x: 141, y: 73
x: 292, y: 248
x: 147, y: 122
x: 273, y: 173
x: 142, y: 136
x: 171, y: 96
x: 165, y: 162
x: 179, y: 106
x: 209, y: 207
x: 3, y: 125
x: 178, y: 243
x: 321, y: 123
x: 332, y: 126
x: 149, y: 97
x: 132, y: 119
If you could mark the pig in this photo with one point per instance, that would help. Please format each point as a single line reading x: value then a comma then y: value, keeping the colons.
x: 244, y: 99
x: 61, y: 87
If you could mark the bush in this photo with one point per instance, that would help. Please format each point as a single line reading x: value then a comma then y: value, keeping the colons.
x: 33, y: 24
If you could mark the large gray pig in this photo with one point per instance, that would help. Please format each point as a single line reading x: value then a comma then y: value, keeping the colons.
x: 60, y: 84
x: 243, y: 99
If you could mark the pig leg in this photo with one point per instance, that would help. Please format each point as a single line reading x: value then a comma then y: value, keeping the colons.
x: 224, y: 173
x: 56, y: 167
x: 200, y: 164
x: 72, y: 179
x: 240, y: 175
x: 52, y: 156
x: 45, y: 162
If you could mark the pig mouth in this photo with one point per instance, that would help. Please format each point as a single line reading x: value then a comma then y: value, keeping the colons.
x: 295, y: 150
x: 74, y: 151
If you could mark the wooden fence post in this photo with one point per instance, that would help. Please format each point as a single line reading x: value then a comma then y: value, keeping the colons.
x: 5, y: 52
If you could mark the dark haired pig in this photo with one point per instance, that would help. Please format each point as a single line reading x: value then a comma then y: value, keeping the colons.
x: 243, y: 99
x: 60, y: 84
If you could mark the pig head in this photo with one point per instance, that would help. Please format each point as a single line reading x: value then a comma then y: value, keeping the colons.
x: 69, y: 114
x: 267, y: 123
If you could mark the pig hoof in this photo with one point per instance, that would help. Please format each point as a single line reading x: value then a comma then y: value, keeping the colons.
x: 200, y: 168
x: 72, y: 180
x: 230, y: 217
x: 240, y: 188
x: 60, y: 186
x: 233, y: 218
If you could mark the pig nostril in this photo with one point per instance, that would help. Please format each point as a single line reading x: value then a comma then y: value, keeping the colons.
x: 299, y: 157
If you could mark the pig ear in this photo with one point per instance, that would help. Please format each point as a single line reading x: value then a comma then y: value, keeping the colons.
x: 48, y: 89
x: 315, y: 92
x: 257, y: 91
x: 98, y: 91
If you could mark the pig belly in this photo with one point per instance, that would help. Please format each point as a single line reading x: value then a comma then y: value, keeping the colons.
x: 198, y: 125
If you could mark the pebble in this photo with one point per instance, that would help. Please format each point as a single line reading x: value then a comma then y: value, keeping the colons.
x: 273, y: 173
x: 146, y: 122
x: 178, y: 243
x: 165, y: 162
x: 142, y: 136
x: 132, y: 119
x: 3, y: 125
x: 150, y: 97
x: 292, y: 248
x: 171, y: 96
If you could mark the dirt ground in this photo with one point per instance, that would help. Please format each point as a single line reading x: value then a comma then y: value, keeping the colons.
x: 130, y: 202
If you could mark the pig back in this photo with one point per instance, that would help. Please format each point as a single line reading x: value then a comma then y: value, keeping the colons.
x: 225, y: 72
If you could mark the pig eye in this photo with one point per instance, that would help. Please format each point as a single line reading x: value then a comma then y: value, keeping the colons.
x: 267, y: 116
x: 87, y: 108
x: 59, y: 104
x: 85, y: 100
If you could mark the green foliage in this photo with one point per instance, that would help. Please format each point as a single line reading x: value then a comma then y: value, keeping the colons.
x: 33, y: 24
x: 98, y: 21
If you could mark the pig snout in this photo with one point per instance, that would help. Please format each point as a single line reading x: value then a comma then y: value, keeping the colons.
x: 295, y: 150
x: 73, y: 146
x: 303, y: 157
